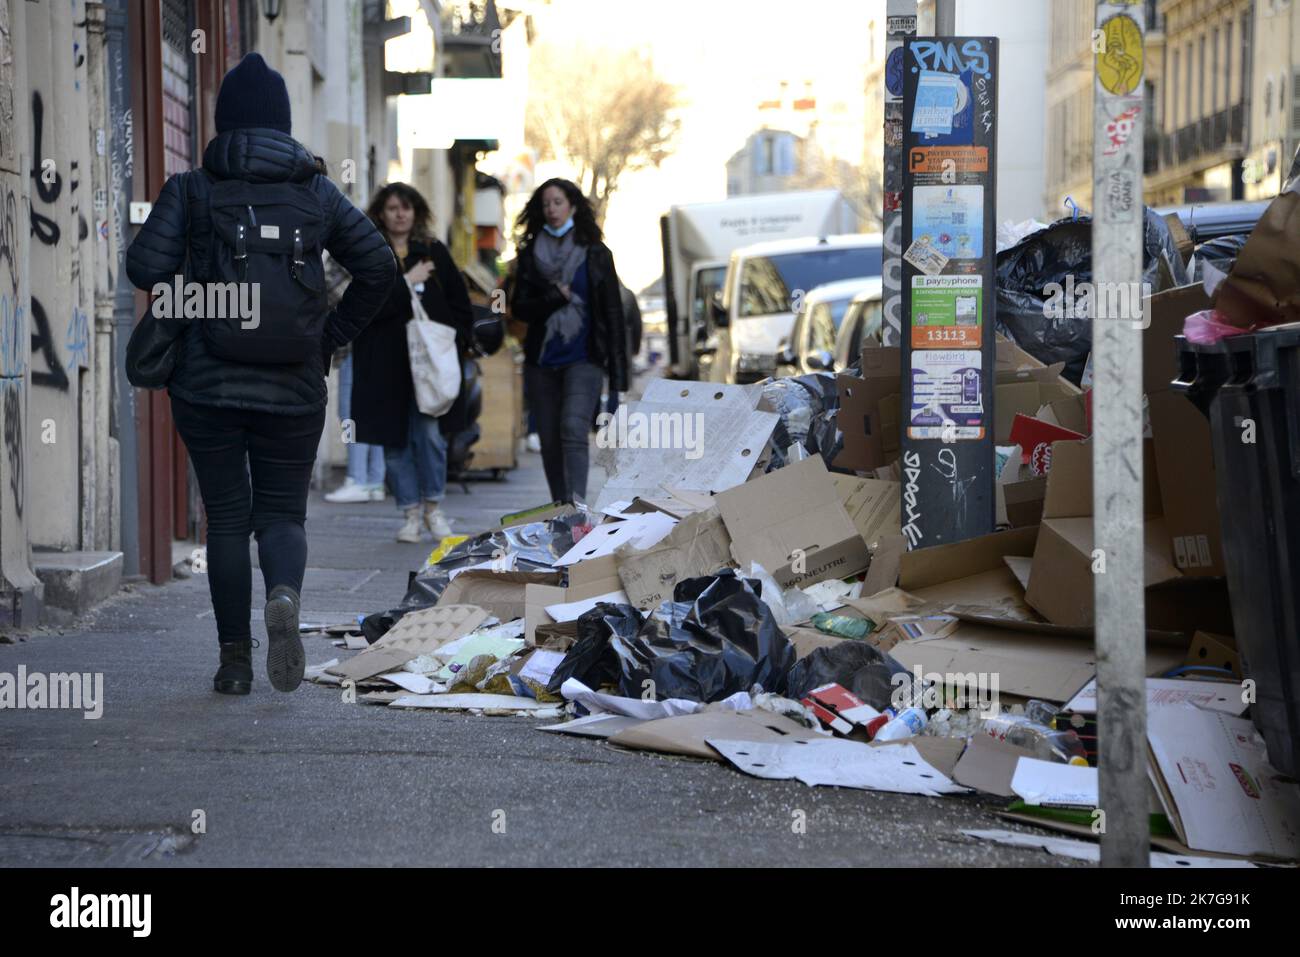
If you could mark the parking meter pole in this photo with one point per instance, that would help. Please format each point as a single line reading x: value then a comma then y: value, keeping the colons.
x: 949, y: 204
x: 1118, y: 577
x: 900, y: 23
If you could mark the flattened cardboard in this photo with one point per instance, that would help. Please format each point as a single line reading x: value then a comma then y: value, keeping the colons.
x: 1025, y: 395
x: 886, y: 560
x: 699, y: 545
x: 988, y: 765
x: 871, y: 434
x: 1215, y: 651
x: 808, y: 640
x: 1184, y: 453
x: 735, y: 434
x: 1069, y: 484
x: 790, y: 509
x: 416, y: 633
x: 688, y: 733
x: 1024, y: 501
x: 598, y: 725
x: 499, y: 593
x: 872, y: 505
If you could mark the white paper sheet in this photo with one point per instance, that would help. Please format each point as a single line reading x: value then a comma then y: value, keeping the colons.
x: 1222, y: 696
x: 465, y: 702
x: 573, y: 610
x: 541, y: 664
x: 1058, y: 785
x: 638, y: 531
x: 416, y: 684
x: 840, y: 763
x: 1084, y: 851
x: 595, y: 701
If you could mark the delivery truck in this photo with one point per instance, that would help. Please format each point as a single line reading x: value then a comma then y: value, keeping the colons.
x: 699, y: 238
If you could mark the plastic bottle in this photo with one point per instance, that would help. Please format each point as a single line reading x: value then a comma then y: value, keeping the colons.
x: 1041, y: 712
x: 906, y: 724
x: 842, y: 626
x: 1063, y: 747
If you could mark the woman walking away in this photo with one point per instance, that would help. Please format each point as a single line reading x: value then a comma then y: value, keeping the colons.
x: 568, y: 293
x: 384, y: 405
x: 248, y: 393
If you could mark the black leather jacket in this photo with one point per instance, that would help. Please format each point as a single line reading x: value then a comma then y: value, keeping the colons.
x: 180, y: 224
x: 535, y: 299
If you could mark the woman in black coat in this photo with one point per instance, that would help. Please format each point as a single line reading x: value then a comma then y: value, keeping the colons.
x: 383, y: 394
x: 568, y: 293
x: 252, y: 429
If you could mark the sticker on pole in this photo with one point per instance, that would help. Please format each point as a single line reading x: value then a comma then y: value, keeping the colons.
x: 1119, y: 55
x: 925, y: 257
x: 947, y: 395
x: 946, y: 312
x: 950, y: 218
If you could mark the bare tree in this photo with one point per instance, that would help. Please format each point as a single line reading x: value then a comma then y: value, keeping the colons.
x: 861, y: 185
x: 604, y: 111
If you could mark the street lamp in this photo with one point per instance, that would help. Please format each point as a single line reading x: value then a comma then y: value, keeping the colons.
x: 271, y: 9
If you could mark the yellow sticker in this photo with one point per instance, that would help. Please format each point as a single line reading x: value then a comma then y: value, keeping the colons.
x: 1119, y: 61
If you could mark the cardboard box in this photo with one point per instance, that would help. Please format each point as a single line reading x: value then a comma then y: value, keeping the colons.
x: 586, y: 580
x: 792, y: 523
x: 873, y: 506
x: 498, y: 593
x: 971, y: 572
x: 871, y: 434
x: 840, y: 709
x: 699, y: 545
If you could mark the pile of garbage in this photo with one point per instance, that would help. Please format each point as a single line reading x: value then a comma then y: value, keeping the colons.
x: 758, y: 606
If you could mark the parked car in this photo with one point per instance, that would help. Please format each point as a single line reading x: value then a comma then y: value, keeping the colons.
x: 811, y: 346
x: 862, y: 328
x: 755, y: 310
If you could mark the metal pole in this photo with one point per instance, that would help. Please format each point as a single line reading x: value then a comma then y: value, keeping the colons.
x: 900, y: 23
x: 945, y: 18
x: 1117, y: 437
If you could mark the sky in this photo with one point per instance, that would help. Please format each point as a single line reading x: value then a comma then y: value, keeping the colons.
x: 724, y: 56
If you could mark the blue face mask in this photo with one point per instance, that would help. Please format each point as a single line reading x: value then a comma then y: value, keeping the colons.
x: 558, y: 231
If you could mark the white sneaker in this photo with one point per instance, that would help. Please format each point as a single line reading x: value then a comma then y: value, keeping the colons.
x: 410, y: 532
x: 435, y: 521
x: 534, y: 442
x: 349, y: 491
x: 377, y: 492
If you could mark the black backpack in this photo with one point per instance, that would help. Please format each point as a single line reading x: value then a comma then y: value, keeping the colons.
x: 271, y: 235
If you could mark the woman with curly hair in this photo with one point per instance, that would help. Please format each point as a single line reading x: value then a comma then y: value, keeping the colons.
x: 567, y: 292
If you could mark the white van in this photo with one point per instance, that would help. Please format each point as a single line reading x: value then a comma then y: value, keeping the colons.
x: 765, y: 285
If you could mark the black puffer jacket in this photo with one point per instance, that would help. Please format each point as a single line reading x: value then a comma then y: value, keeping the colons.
x: 535, y: 299
x: 180, y: 224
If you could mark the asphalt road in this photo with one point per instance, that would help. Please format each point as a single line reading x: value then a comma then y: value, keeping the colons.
x: 307, y: 780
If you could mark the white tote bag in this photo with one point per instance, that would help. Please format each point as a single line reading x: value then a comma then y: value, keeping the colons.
x: 435, y: 362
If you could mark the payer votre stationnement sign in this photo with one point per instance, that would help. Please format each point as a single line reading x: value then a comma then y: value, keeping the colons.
x: 949, y: 234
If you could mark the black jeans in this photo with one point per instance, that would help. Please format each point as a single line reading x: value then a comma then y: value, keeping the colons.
x: 226, y: 446
x: 564, y: 399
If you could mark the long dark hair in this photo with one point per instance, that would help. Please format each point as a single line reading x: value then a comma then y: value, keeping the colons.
x: 421, y: 228
x: 530, y: 222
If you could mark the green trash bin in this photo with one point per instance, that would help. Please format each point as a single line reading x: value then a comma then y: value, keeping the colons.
x: 1249, y: 387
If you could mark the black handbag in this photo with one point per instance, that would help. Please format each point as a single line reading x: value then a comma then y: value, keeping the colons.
x: 152, y: 349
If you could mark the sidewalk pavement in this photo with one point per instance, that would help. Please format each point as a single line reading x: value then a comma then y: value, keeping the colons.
x: 307, y: 780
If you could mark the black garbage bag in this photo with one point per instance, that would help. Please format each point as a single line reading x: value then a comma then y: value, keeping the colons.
x: 800, y: 401
x: 592, y: 660
x: 1050, y: 256
x: 716, y: 637
x: 1221, y: 252
x: 863, y: 669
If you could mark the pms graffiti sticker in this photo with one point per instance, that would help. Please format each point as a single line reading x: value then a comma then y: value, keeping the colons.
x: 1119, y: 61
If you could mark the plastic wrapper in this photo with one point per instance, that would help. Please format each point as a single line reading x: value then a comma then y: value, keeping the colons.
x: 1209, y: 326
x: 861, y: 668
x: 803, y: 403
x: 1010, y: 233
x: 1049, y: 256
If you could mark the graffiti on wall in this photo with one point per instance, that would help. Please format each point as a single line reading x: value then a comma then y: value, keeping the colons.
x: 47, y: 180
x: 53, y: 374
x: 13, y: 429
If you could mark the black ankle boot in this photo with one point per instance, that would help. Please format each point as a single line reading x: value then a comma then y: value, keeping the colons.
x: 285, y: 659
x: 235, y: 676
